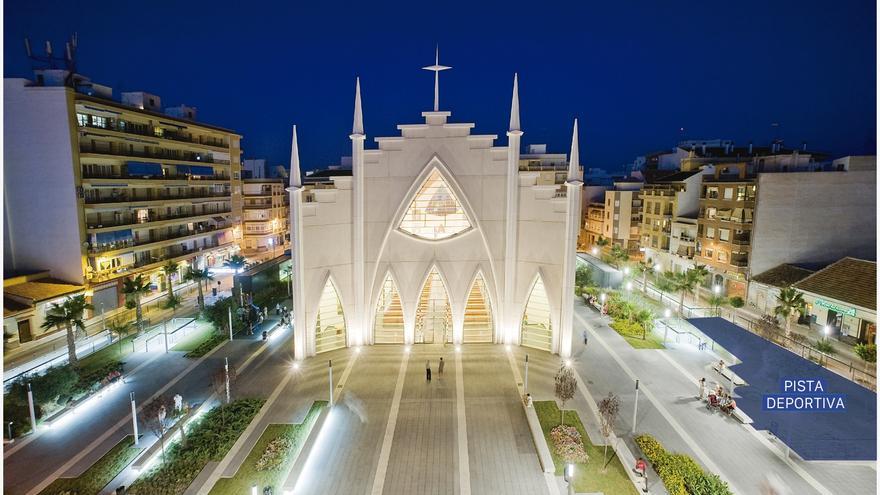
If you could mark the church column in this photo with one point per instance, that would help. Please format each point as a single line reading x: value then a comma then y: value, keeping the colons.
x: 300, y: 340
x: 510, y: 319
x: 573, y: 187
x: 357, y: 324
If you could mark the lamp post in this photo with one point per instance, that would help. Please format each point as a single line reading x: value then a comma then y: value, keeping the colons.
x: 230, y: 323
x: 134, y: 418
x: 226, y: 372
x: 272, y: 243
x: 30, y: 395
x: 568, y: 475
x: 635, y: 408
x: 716, y: 289
x: 595, y: 251
x: 666, y: 314
x: 526, y: 381
x: 330, y: 369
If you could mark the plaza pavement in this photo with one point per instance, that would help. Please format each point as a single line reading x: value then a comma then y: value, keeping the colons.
x: 668, y: 409
x: 67, y: 450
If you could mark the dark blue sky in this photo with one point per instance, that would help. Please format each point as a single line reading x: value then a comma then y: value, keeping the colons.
x: 633, y: 72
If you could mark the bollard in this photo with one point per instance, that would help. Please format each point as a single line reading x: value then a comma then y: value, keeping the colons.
x: 635, y: 407
x: 134, y: 420
x: 526, y: 381
x: 30, y: 395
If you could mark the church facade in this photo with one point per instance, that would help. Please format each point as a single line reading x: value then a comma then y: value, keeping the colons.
x: 438, y: 235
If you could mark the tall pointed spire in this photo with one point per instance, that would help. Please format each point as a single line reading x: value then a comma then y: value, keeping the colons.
x: 358, y: 126
x: 514, y: 105
x: 574, y: 168
x: 295, y: 174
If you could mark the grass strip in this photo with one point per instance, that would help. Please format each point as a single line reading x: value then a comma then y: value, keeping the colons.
x: 96, y: 477
x: 275, y: 461
x: 589, y: 477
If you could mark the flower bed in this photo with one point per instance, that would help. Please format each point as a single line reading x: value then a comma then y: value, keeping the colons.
x: 207, y: 440
x: 680, y: 474
x: 567, y: 444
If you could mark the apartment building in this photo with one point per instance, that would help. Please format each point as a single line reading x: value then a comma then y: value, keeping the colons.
x: 683, y: 243
x: 594, y: 223
x: 623, y: 212
x: 265, y: 214
x: 664, y: 199
x: 99, y: 189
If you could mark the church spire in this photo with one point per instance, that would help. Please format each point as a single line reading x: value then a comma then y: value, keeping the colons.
x: 436, y: 68
x: 514, y: 105
x: 357, y: 127
x: 574, y: 172
x: 295, y: 174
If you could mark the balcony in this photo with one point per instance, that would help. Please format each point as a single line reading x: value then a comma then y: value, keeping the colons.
x: 166, y: 177
x: 150, y: 131
x: 132, y: 243
x: 174, y: 253
x: 739, y: 261
x: 741, y: 240
x: 139, y: 198
x: 151, y: 219
x: 160, y: 154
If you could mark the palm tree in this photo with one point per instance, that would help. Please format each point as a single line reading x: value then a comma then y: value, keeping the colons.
x: 68, y: 314
x: 716, y: 301
x: 790, y: 302
x: 645, y: 318
x: 619, y: 254
x: 665, y: 283
x: 120, y: 329
x: 236, y: 262
x: 134, y: 289
x: 736, y: 302
x: 700, y: 272
x: 685, y: 283
x: 170, y: 268
x: 198, y: 276
x: 645, y: 267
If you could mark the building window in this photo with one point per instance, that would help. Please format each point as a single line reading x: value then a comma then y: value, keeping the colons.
x: 435, y: 212
x: 740, y: 193
x: 724, y: 234
x: 82, y: 119
x: 617, y: 203
x: 728, y: 193
x: 711, y: 213
x: 99, y: 121
x: 158, y: 131
x: 712, y: 192
x: 710, y: 232
x: 709, y: 253
x: 722, y: 256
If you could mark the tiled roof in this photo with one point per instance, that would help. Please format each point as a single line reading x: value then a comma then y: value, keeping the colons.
x: 849, y: 280
x: 782, y: 276
x: 41, y: 289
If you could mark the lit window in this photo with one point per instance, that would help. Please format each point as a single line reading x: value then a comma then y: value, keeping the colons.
x: 728, y: 193
x: 98, y: 121
x: 82, y: 119
x: 158, y: 131
x: 724, y: 234
x: 435, y: 212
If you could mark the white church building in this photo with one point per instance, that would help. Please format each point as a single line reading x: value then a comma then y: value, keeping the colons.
x: 438, y: 235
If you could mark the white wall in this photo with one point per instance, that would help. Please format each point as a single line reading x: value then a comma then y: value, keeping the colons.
x: 804, y: 217
x: 39, y: 182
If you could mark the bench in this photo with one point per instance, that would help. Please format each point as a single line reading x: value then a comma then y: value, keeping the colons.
x: 729, y: 376
x: 741, y: 416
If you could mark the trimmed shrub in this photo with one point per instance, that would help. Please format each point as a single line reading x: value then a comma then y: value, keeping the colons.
x: 681, y: 475
x: 568, y: 444
x: 207, y: 346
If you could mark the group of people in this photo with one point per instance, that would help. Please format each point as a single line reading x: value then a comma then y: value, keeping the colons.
x: 284, y: 313
x: 717, y: 397
x: 428, y: 368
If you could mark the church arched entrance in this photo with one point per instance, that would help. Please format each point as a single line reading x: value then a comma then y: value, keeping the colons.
x: 388, y: 325
x: 433, y: 314
x: 536, y: 330
x: 478, y: 314
x: 330, y: 326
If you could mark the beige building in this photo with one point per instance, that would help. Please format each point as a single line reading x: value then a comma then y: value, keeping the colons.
x: 123, y: 187
x: 594, y: 224
x: 265, y: 216
x: 26, y: 298
x: 623, y: 210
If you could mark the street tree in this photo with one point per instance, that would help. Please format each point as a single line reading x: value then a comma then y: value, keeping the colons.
x: 665, y: 283
x: 566, y: 384
x: 718, y: 301
x: 609, y: 408
x: 645, y: 319
x: 583, y: 277
x: 120, y: 329
x: 736, y: 303
x: 867, y: 352
x: 134, y: 289
x: 69, y: 315
x: 645, y: 266
x: 236, y: 262
x: 170, y: 269
x: 790, y: 303
x: 155, y: 416
x: 619, y: 255
x: 199, y: 276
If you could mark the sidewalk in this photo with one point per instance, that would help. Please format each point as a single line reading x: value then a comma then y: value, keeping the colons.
x: 668, y: 409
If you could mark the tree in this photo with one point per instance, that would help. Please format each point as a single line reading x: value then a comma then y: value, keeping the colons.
x: 645, y: 319
x: 565, y: 387
x: 120, y: 329
x: 236, y: 262
x: 68, y: 314
x: 868, y: 353
x: 665, y: 283
x: 170, y: 268
x: 790, y: 302
x: 173, y: 303
x: 717, y: 301
x: 134, y: 289
x: 619, y: 255
x: 645, y: 267
x: 198, y: 276
x: 699, y: 273
x: 736, y: 303
x: 609, y: 408
x: 583, y: 277
x: 219, y: 382
x: 155, y: 416
x: 602, y: 242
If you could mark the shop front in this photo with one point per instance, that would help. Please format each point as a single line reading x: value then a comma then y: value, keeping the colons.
x: 846, y: 322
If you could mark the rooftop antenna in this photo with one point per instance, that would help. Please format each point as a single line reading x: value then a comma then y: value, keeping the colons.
x: 49, y: 61
x: 27, y: 48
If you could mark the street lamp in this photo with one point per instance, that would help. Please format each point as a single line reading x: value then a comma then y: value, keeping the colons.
x: 272, y: 243
x: 568, y: 363
x: 629, y: 286
x: 568, y: 475
x: 827, y: 330
x: 716, y: 289
x: 657, y: 267
x: 595, y: 251
x: 667, y: 313
x: 626, y: 270
x: 602, y: 297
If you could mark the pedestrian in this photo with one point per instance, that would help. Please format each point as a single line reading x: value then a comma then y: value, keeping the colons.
x: 428, y: 370
x: 702, y: 384
x: 440, y: 367
x: 641, y: 467
x: 585, y: 337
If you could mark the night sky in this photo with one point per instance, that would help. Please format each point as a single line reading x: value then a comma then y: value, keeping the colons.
x: 634, y: 72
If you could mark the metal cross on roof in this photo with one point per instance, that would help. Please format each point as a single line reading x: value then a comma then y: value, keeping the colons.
x: 436, y: 68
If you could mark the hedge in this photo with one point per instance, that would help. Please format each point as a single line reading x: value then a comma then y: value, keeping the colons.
x: 207, y: 440
x: 681, y: 475
x: 207, y: 346
x: 99, y: 474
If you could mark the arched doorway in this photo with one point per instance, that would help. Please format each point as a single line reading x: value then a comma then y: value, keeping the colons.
x: 330, y: 326
x: 478, y: 314
x: 433, y: 314
x: 388, y: 325
x: 536, y: 328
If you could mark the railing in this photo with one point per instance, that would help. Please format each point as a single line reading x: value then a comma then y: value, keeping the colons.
x: 161, y: 154
x: 187, y: 177
x: 150, y: 131
x: 126, y: 198
x: 154, y: 218
x: 741, y: 240
x: 153, y: 239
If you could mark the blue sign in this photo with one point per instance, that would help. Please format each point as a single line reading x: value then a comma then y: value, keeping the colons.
x: 803, y: 395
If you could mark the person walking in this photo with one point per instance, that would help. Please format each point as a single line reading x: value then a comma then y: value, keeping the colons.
x: 585, y: 337
x: 428, y: 370
x: 440, y: 366
x: 702, y: 384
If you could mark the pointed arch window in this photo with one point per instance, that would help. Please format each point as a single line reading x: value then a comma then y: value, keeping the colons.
x: 435, y: 213
x: 330, y: 326
x: 478, y: 313
x: 388, y: 327
x: 536, y: 329
x: 433, y: 314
